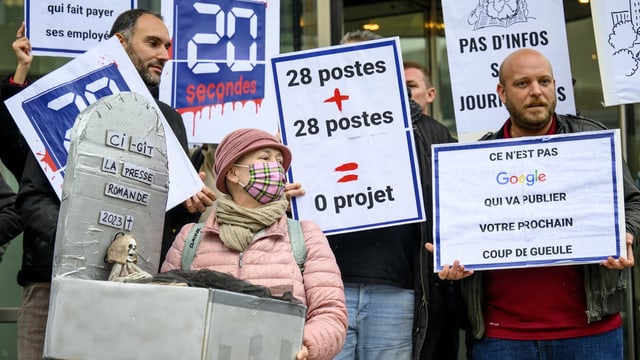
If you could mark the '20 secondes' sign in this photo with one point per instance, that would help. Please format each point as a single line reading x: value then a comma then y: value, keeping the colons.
x: 219, y: 52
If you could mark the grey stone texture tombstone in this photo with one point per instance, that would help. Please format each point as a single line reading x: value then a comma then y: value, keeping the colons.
x: 116, y: 181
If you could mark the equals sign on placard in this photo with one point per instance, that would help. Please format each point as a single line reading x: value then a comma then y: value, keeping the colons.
x: 350, y: 166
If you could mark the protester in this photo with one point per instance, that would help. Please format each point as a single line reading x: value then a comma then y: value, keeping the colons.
x: 203, y: 158
x: 247, y: 236
x: 387, y: 273
x: 418, y: 79
x: 356, y: 36
x: 443, y: 315
x: 146, y: 39
x: 561, y: 312
x: 13, y: 147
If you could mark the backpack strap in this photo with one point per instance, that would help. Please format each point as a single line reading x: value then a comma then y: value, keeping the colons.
x: 191, y: 245
x: 297, y: 242
x: 298, y: 247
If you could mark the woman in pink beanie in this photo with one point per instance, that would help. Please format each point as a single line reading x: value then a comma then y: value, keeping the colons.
x: 247, y: 236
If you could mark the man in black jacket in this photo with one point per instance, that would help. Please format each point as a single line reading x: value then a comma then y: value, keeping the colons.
x: 436, y: 320
x: 565, y: 312
x: 418, y: 80
x: 387, y: 274
x: 146, y: 39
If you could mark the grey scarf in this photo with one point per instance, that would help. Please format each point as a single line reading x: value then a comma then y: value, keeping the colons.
x: 238, y: 225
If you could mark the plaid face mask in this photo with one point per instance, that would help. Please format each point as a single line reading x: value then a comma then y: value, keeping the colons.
x: 266, y: 181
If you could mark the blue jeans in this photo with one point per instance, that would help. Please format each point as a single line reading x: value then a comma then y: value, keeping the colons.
x: 605, y: 346
x: 380, y: 322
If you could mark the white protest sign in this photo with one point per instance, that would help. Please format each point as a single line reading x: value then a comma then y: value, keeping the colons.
x: 71, y: 27
x: 46, y: 110
x: 219, y: 79
x: 616, y: 33
x: 345, y: 116
x: 539, y: 201
x: 480, y: 34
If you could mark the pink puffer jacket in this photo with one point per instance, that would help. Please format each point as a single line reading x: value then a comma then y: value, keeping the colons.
x: 269, y: 261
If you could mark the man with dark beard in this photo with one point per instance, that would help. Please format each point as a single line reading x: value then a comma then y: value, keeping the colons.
x: 561, y: 312
x: 146, y: 39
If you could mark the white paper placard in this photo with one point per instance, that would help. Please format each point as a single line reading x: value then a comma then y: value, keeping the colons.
x: 539, y: 201
x: 344, y: 113
x: 71, y: 27
x: 616, y: 28
x: 46, y: 110
x: 480, y: 34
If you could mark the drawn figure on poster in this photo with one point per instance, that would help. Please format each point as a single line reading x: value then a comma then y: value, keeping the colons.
x: 624, y: 38
x: 123, y: 254
x: 502, y: 13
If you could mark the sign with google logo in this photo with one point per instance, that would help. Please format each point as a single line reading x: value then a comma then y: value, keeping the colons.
x: 532, y: 201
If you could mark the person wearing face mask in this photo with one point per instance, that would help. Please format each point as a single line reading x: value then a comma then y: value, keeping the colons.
x: 246, y: 235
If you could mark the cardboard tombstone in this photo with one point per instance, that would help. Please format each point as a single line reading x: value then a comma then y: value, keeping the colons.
x: 113, y: 201
x: 116, y: 182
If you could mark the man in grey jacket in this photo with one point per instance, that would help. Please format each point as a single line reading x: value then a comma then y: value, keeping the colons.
x: 562, y: 312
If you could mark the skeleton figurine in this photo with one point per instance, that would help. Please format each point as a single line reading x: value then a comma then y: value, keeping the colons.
x: 123, y: 254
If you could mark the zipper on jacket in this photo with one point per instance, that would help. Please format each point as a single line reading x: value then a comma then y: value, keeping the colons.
x: 240, y: 259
